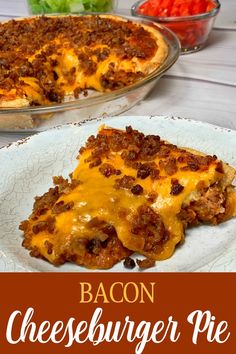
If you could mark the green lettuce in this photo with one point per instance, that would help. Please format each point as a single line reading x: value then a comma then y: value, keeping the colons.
x: 74, y: 6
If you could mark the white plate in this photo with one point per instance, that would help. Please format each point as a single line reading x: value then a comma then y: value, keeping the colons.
x: 27, y: 168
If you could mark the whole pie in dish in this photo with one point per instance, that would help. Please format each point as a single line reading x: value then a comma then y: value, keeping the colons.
x: 129, y: 193
x: 47, y: 59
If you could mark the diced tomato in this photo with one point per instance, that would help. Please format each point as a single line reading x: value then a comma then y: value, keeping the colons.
x: 163, y: 8
x: 199, y: 7
x: 191, y: 33
x: 155, y: 5
x: 184, y: 10
x: 146, y: 9
x: 166, y: 3
x: 175, y: 10
x: 166, y: 7
x: 210, y: 6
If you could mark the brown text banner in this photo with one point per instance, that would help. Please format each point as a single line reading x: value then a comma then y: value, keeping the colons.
x: 109, y: 313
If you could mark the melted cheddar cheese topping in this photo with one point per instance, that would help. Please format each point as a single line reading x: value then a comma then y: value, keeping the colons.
x: 70, y: 54
x: 148, y: 221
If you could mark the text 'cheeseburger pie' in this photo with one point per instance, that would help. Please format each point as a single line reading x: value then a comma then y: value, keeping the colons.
x: 129, y: 193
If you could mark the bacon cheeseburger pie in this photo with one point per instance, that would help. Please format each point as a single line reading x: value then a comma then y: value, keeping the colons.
x: 46, y: 59
x: 129, y: 193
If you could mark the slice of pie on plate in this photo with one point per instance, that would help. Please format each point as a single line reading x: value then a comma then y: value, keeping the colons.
x: 129, y: 193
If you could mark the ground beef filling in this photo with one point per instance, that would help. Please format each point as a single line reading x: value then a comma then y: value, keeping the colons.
x: 209, y: 208
x: 103, y: 250
x: 89, y: 253
x: 147, y: 224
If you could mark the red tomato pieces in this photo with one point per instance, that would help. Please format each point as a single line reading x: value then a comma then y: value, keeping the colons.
x: 192, y: 33
x: 166, y: 8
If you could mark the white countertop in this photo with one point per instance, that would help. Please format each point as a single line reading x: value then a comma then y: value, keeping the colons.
x: 200, y: 86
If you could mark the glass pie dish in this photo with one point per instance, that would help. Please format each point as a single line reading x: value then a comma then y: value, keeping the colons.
x: 95, y: 104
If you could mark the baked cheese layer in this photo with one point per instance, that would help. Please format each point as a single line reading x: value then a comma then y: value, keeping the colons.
x: 129, y: 193
x: 47, y: 59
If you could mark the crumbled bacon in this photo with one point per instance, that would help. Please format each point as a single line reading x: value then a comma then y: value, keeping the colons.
x: 108, y: 170
x: 144, y: 171
x: 145, y: 263
x: 24, y: 225
x: 49, y: 246
x: 44, y: 203
x: 152, y: 196
x: 148, y: 169
x: 129, y: 263
x: 61, y: 207
x: 150, y: 146
x: 149, y: 225
x: 129, y: 155
x: 126, y: 182
x: 137, y: 189
x: 95, y: 162
x: 169, y: 165
x: 48, y: 224
x: 176, y: 187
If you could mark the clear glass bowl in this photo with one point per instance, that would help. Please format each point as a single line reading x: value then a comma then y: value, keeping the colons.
x: 37, y: 7
x: 96, y: 104
x: 192, y: 31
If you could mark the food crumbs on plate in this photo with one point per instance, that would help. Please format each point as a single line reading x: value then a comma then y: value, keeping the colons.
x: 145, y: 263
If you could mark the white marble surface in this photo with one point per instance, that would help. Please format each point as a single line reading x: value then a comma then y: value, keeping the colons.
x: 201, y: 86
